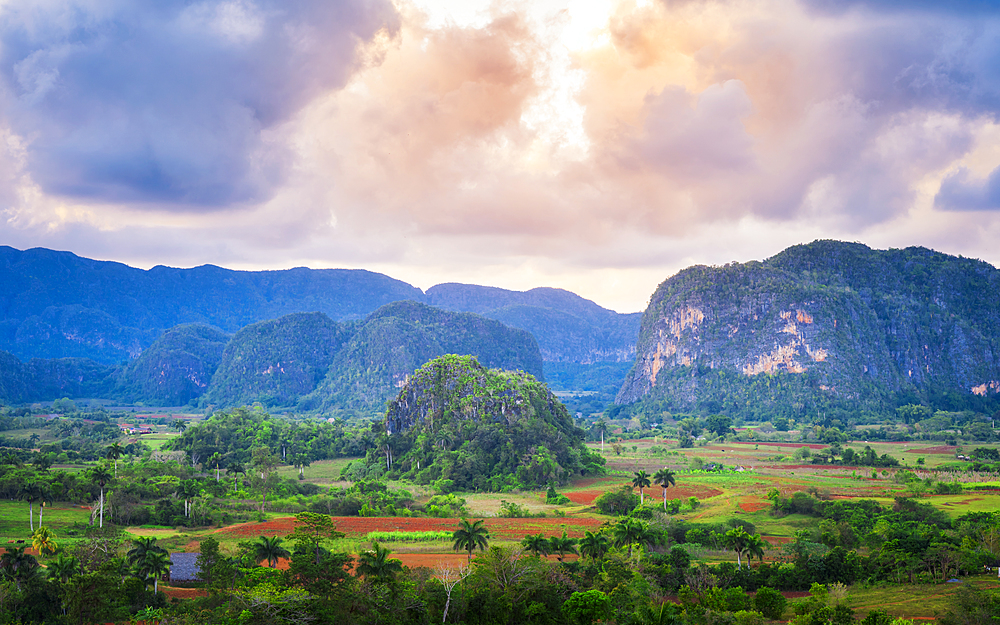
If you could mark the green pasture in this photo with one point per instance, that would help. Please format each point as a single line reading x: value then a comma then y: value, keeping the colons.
x: 914, y: 600
x: 321, y: 472
x: 156, y: 440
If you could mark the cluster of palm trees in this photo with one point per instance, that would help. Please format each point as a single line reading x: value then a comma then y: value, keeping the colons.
x: 149, y: 562
x: 663, y: 478
x: 558, y: 545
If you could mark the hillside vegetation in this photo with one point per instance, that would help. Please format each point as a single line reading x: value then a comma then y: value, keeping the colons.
x: 463, y: 426
x: 823, y: 328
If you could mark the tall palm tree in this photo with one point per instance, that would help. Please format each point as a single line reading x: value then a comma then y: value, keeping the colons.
x: 641, y: 481
x: 44, y: 540
x: 270, y: 549
x: 101, y: 476
x: 563, y: 545
x: 755, y: 547
x: 594, y: 545
x: 630, y: 531
x: 377, y: 565
x: 180, y: 425
x: 664, y: 478
x: 215, y: 461
x: 469, y: 536
x: 30, y: 492
x: 114, y: 452
x: 537, y: 544
x: 44, y: 494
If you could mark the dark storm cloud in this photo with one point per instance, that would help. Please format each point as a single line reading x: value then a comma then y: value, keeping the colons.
x: 169, y: 102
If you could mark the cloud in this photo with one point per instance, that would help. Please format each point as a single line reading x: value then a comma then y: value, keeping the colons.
x: 171, y: 102
x: 960, y: 191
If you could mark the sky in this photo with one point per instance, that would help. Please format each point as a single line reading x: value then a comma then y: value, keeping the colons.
x: 598, y: 146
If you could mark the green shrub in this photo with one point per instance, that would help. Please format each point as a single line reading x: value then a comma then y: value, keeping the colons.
x: 617, y: 502
x: 770, y: 603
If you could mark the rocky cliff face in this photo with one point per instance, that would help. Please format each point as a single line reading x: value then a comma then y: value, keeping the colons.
x: 834, y: 320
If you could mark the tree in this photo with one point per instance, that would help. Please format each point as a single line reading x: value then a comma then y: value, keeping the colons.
x: 140, y: 547
x: 215, y: 461
x: 64, y: 568
x: 113, y: 453
x: 188, y: 489
x: 30, y: 492
x: 563, y: 545
x: 312, y: 529
x: 537, y: 544
x: 630, y: 531
x: 739, y: 541
x: 270, y: 549
x: 44, y: 541
x: 376, y: 564
x: 264, y: 463
x: 470, y: 536
x: 583, y: 608
x: 101, y: 476
x: 234, y: 469
x: 180, y: 425
x: 593, y: 545
x: 44, y: 494
x: 450, y: 577
x: 601, y: 425
x: 664, y: 478
x: 154, y: 565
x: 641, y: 481
x: 18, y: 566
x: 719, y: 424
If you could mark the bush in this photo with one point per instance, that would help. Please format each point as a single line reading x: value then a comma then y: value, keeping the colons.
x: 617, y: 502
x: 770, y: 603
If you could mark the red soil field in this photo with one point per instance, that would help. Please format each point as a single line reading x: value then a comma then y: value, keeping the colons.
x: 183, y: 593
x: 587, y: 497
x: 940, y: 449
x: 753, y: 504
x: 796, y: 445
x: 499, y: 528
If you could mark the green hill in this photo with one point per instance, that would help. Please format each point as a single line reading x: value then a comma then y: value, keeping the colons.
x: 398, y: 338
x: 176, y: 368
x: 480, y: 429
x: 822, y: 329
x: 276, y: 362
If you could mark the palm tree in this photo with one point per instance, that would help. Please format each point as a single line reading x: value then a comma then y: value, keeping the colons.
x: 664, y: 478
x: 44, y: 494
x: 44, y: 540
x: 738, y: 540
x: 376, y: 564
x: 630, y: 531
x: 270, y: 549
x: 593, y: 545
x: 234, y: 469
x: 154, y: 565
x: 64, y: 568
x: 563, y: 545
x: 469, y: 536
x: 602, y: 426
x: 180, y: 425
x: 216, y: 460
x: 537, y: 544
x: 114, y: 452
x: 755, y: 547
x: 640, y: 481
x: 101, y: 476
x: 18, y: 566
x: 30, y: 492
x: 140, y: 547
